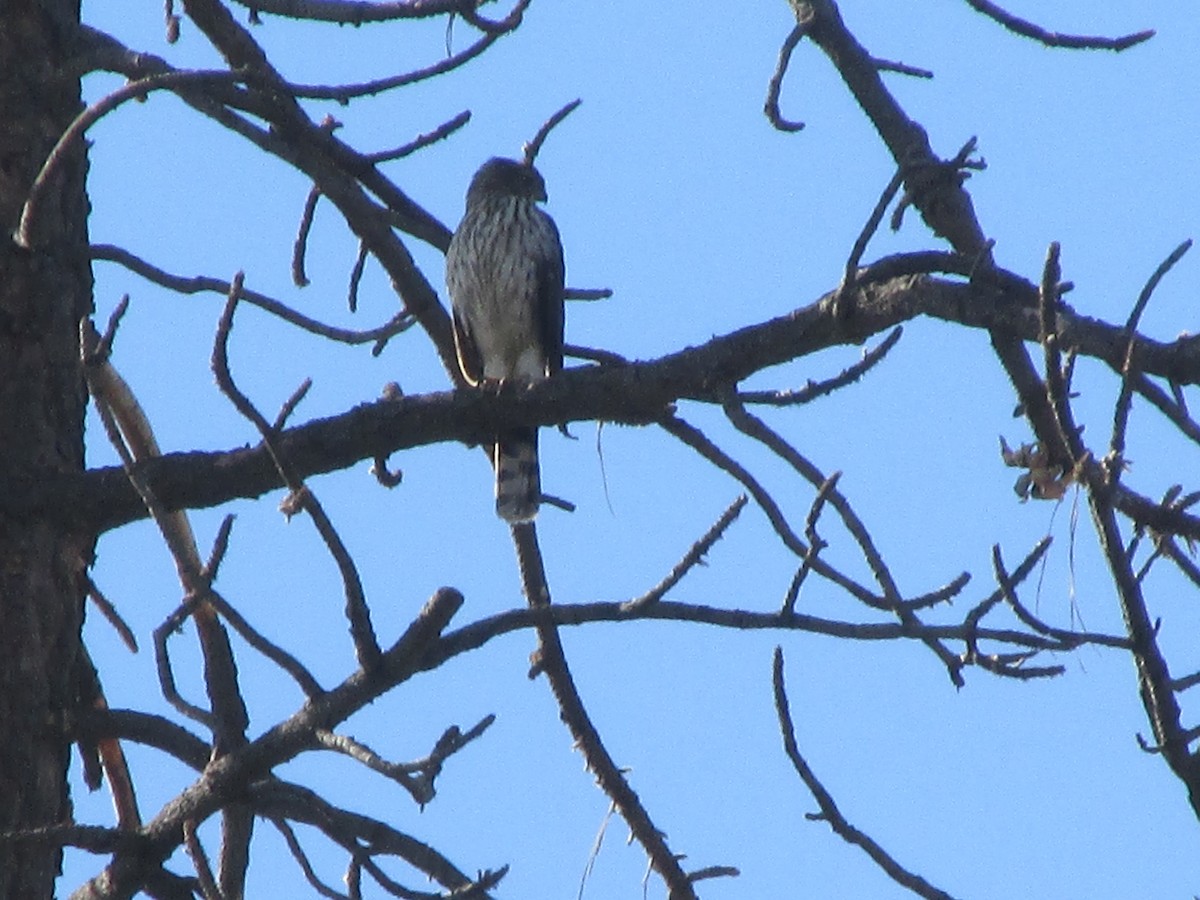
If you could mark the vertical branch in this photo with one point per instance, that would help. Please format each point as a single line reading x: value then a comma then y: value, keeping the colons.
x: 551, y: 660
x: 1154, y: 677
x: 133, y: 437
x: 1128, y: 369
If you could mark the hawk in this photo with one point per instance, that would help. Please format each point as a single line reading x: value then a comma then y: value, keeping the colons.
x: 505, y: 274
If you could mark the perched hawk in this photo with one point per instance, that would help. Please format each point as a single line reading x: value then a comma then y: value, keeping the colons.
x: 505, y: 273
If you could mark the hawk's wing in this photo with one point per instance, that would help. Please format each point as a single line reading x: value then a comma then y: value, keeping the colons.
x: 469, y: 362
x: 551, y: 316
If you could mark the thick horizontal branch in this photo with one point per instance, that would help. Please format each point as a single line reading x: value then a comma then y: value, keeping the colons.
x: 637, y: 393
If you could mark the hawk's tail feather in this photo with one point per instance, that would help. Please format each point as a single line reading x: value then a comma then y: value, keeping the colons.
x: 518, y: 481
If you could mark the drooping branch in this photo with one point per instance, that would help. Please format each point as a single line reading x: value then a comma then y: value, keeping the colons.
x: 206, y: 284
x: 829, y: 809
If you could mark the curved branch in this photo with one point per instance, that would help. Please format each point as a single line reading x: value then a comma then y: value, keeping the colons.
x: 829, y: 810
x: 206, y: 284
x: 173, y: 81
x: 1027, y: 29
x: 343, y: 93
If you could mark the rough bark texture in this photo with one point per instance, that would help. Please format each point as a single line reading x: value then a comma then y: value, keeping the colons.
x: 43, y: 293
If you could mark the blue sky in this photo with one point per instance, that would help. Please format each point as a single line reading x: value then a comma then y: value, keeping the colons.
x: 670, y: 188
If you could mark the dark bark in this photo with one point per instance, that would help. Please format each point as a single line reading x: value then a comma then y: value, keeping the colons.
x: 44, y: 290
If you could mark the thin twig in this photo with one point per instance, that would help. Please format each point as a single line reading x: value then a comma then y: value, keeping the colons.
x: 290, y: 404
x: 829, y: 811
x: 694, y: 556
x: 533, y: 147
x: 775, y: 85
x: 871, y: 226
x: 1027, y: 29
x: 301, y: 858
x: 587, y: 295
x: 204, y: 284
x: 166, y: 676
x: 945, y: 594
x: 1063, y: 450
x: 887, y: 65
x: 301, y: 497
x: 421, y: 788
x: 815, y: 543
x: 138, y: 89
x: 124, y: 632
x: 195, y: 852
x: 443, y: 131
x: 1171, y: 550
x: 356, y: 274
x: 300, y: 247
x: 1129, y: 370
x: 219, y: 549
x: 344, y: 93
x: 1176, y: 412
x: 276, y: 654
x: 816, y: 389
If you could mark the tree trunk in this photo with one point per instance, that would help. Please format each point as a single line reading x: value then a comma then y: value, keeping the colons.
x: 43, y: 293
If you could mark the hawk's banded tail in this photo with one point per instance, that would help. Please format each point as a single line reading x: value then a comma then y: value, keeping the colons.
x: 518, y: 481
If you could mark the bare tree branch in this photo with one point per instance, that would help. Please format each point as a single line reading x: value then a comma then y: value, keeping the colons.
x: 694, y: 556
x: 1020, y: 26
x: 205, y: 284
x: 551, y: 661
x: 829, y: 809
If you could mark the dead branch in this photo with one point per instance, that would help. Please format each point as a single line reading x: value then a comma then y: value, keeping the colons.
x: 1128, y: 369
x: 892, y: 598
x: 871, y: 226
x: 353, y: 12
x: 422, y: 141
x: 205, y: 284
x: 112, y: 616
x: 199, y: 858
x: 815, y: 389
x: 550, y: 660
x: 1154, y: 677
x: 300, y: 248
x: 344, y: 93
x: 301, y: 497
x: 775, y: 86
x: 426, y: 770
x: 534, y: 146
x: 694, y: 556
x: 1027, y: 29
x: 356, y: 273
x: 24, y: 234
x: 829, y: 811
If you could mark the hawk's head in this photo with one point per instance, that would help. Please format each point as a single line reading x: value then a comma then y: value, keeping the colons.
x: 500, y: 178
